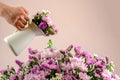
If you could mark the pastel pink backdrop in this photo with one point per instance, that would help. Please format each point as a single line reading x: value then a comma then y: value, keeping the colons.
x: 93, y: 24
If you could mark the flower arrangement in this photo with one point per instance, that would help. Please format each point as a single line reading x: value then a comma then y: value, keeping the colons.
x: 69, y: 64
x: 43, y: 21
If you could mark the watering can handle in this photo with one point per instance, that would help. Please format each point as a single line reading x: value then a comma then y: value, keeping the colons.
x: 28, y: 23
x: 37, y: 30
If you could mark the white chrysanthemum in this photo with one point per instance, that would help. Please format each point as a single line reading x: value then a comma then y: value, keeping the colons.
x: 78, y: 63
x: 58, y: 77
x: 84, y: 76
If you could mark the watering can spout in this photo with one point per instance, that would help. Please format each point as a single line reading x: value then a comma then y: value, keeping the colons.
x: 20, y: 39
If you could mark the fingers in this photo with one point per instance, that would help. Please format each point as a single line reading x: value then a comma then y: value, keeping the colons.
x: 25, y: 16
x: 23, y: 20
x: 19, y: 25
x: 25, y: 13
x: 19, y: 28
x: 25, y: 10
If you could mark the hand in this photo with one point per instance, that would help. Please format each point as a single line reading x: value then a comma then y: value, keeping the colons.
x: 17, y: 16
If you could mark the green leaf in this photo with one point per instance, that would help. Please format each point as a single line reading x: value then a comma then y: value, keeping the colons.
x: 70, y: 55
x: 32, y: 64
x: 52, y: 74
x: 50, y: 30
x: 78, y: 70
x: 69, y: 48
x: 50, y: 44
x: 94, y: 78
x: 110, y: 67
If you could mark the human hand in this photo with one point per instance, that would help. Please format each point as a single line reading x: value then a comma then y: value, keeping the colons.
x: 17, y: 16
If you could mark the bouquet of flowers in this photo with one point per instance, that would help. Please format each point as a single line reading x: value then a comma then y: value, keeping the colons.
x: 44, y: 23
x: 68, y: 64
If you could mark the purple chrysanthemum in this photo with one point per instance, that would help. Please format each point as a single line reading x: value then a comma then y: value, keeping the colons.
x: 43, y: 25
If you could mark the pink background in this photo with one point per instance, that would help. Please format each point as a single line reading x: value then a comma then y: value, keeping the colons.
x: 93, y: 24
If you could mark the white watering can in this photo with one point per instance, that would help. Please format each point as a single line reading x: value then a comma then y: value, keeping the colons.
x: 20, y: 39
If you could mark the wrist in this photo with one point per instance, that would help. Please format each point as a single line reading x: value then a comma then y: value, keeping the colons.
x: 1, y: 8
x: 4, y: 9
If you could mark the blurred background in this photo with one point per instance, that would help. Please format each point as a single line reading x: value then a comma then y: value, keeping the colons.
x: 92, y: 24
